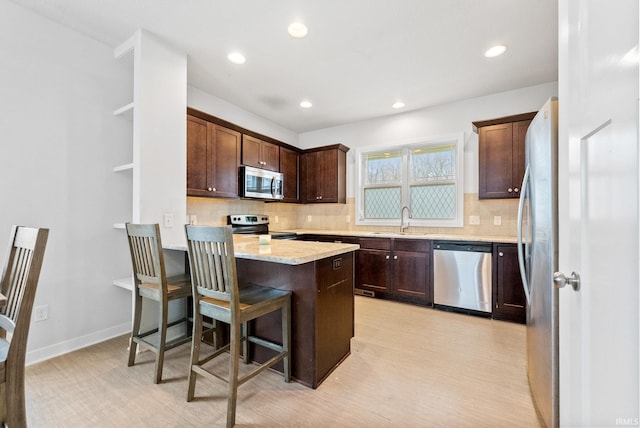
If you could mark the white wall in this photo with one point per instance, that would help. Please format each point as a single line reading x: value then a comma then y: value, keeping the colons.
x: 224, y: 110
x: 434, y: 121
x: 58, y: 143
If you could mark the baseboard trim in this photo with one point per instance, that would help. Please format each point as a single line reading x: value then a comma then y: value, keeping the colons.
x: 48, y: 352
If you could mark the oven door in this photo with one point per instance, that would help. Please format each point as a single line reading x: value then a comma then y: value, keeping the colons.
x: 260, y: 183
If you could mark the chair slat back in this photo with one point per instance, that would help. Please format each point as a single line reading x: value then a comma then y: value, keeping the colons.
x: 212, y: 262
x: 20, y: 278
x: 145, y: 246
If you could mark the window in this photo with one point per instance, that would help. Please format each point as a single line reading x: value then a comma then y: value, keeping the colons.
x: 426, y: 176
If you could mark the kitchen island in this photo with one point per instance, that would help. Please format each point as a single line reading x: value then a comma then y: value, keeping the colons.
x: 321, y: 279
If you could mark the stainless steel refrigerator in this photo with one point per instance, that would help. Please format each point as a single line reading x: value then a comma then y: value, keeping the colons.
x: 538, y: 258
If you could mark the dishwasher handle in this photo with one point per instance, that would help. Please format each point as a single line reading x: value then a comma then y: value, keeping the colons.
x: 475, y: 247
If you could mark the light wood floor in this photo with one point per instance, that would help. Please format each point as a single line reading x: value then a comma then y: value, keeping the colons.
x: 409, y: 366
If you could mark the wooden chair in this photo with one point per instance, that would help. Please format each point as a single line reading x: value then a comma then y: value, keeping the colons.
x: 216, y: 294
x: 19, y: 282
x: 151, y: 282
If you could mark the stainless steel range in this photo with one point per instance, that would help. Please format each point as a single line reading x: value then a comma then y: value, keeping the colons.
x: 255, y: 224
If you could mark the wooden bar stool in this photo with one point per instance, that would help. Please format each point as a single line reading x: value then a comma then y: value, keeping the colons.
x: 216, y: 294
x: 151, y: 282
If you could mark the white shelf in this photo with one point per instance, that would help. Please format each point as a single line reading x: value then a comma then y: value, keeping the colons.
x: 119, y: 226
x: 125, y: 110
x: 125, y: 167
x: 126, y: 283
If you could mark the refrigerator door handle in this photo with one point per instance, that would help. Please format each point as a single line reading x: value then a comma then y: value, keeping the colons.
x: 524, y: 188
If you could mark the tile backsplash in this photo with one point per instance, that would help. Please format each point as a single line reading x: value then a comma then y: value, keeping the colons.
x: 212, y: 211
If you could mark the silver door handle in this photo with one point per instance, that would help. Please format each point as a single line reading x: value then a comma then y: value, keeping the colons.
x: 560, y: 280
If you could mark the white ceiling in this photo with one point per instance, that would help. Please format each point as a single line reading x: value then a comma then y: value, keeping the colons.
x: 358, y: 58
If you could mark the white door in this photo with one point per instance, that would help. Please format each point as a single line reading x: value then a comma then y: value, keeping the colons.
x: 598, y: 212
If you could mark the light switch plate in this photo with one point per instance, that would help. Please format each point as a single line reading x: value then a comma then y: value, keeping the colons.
x: 497, y: 220
x: 309, y: 219
x: 168, y: 220
x: 474, y: 219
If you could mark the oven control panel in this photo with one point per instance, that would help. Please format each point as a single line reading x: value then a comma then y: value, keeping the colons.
x: 247, y: 219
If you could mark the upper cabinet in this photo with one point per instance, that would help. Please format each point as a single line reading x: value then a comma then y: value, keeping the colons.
x: 290, y: 168
x: 323, y: 177
x: 501, y: 155
x: 213, y: 157
x: 259, y: 154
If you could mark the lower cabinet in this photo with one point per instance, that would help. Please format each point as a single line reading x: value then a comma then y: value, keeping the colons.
x: 398, y: 269
x: 509, y: 301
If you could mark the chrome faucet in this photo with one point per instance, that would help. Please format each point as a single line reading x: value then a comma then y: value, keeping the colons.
x: 402, y: 226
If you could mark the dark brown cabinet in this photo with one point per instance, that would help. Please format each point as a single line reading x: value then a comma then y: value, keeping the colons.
x: 509, y: 302
x: 399, y: 269
x: 290, y: 169
x: 501, y: 155
x: 323, y: 177
x: 260, y: 154
x: 213, y: 157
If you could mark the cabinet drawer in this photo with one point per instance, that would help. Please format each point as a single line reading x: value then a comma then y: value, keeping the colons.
x: 375, y: 243
x: 415, y: 245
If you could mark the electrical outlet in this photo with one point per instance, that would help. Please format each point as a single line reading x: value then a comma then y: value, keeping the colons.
x: 474, y: 219
x: 193, y: 219
x: 168, y: 220
x: 309, y: 219
x: 497, y: 220
x: 347, y: 219
x: 41, y: 313
x: 276, y: 219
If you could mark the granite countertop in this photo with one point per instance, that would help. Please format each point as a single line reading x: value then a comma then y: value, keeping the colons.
x: 408, y: 235
x: 287, y: 252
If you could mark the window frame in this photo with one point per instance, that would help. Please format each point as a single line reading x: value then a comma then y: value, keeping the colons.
x: 406, y: 146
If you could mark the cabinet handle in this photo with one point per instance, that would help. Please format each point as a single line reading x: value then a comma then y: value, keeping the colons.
x: 516, y: 190
x: 509, y: 190
x: 387, y: 257
x: 501, y: 254
x: 395, y: 257
x: 210, y: 189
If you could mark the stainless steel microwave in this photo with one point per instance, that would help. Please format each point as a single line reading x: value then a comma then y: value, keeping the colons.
x: 260, y: 183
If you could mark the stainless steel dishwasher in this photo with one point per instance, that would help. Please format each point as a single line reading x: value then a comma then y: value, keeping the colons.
x: 462, y: 276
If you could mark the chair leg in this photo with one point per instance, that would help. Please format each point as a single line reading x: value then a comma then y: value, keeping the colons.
x: 162, y: 330
x: 234, y: 356
x: 135, y: 329
x: 195, y: 353
x: 16, y: 414
x: 286, y: 339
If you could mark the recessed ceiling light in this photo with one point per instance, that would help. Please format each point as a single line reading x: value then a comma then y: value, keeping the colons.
x: 306, y: 104
x: 236, y: 58
x: 495, y: 51
x: 297, y: 29
x: 398, y: 104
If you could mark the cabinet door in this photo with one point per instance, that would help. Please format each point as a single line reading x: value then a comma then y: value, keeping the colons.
x: 508, y: 294
x: 198, y: 157
x: 495, y: 156
x: 412, y: 270
x: 327, y: 176
x: 309, y: 189
x: 270, y: 155
x: 519, y: 134
x: 334, y: 311
x: 251, y: 151
x: 226, y: 159
x: 373, y: 264
x: 289, y: 167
